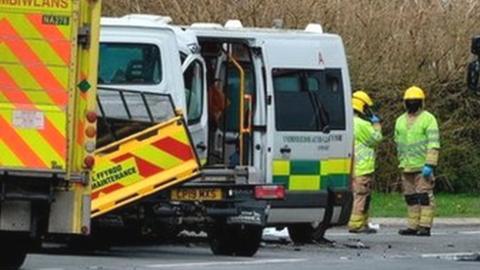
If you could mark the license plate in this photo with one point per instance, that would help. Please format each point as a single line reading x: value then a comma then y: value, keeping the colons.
x: 196, y: 194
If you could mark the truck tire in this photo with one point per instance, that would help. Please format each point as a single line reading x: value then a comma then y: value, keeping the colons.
x: 248, y: 240
x: 221, y: 238
x: 235, y: 240
x: 12, y: 258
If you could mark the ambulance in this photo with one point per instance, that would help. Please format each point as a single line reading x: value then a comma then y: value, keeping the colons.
x: 286, y: 117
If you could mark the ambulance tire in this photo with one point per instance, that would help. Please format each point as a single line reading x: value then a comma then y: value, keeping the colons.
x: 235, y: 240
x: 301, y: 233
x: 12, y: 258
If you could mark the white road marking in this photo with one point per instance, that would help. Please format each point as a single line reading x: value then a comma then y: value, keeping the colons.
x: 469, y: 233
x: 395, y: 233
x: 451, y: 256
x: 204, y: 264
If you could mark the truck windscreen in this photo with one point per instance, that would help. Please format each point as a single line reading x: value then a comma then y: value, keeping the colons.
x: 129, y: 64
x: 307, y: 100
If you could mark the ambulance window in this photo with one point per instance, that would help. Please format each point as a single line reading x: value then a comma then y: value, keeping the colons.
x: 307, y: 100
x: 123, y: 63
x: 334, y: 99
x: 193, y: 78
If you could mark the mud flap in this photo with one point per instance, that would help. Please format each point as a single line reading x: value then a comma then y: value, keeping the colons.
x: 250, y: 213
x: 319, y: 232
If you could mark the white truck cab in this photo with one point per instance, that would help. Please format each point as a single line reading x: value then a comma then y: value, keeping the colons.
x: 144, y: 53
x: 264, y: 107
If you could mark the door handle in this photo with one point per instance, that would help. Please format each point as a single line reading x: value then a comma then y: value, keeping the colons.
x: 201, y: 146
x: 285, y: 150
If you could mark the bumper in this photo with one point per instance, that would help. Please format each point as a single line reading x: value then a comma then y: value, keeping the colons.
x: 238, y: 206
x: 332, y: 206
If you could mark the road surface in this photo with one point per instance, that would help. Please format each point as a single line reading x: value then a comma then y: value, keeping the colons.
x: 448, y: 248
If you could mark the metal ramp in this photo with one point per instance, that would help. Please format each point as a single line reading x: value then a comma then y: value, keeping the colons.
x: 144, y: 147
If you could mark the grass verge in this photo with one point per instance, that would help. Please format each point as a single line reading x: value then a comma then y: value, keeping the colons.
x: 448, y: 205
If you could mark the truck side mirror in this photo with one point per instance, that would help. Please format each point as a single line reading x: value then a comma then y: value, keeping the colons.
x: 474, y: 67
x: 473, y: 75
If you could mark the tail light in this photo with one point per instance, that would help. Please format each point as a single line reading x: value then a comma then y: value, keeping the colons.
x: 92, y: 117
x: 89, y: 161
x: 271, y: 192
x: 90, y: 132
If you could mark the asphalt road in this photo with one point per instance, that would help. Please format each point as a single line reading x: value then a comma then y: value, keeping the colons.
x: 448, y: 248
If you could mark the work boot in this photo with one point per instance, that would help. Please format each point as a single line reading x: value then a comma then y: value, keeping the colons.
x: 408, y: 231
x: 423, y: 231
x: 364, y: 230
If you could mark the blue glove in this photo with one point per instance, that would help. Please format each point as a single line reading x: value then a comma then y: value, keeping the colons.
x: 427, y: 171
x: 375, y: 119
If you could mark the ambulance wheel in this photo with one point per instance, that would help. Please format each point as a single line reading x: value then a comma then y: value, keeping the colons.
x: 235, y: 240
x: 301, y: 233
x: 12, y: 258
x: 307, y: 233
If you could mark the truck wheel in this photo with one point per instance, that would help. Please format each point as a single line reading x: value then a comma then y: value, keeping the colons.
x: 248, y: 239
x: 12, y: 258
x: 235, y: 240
x: 221, y: 238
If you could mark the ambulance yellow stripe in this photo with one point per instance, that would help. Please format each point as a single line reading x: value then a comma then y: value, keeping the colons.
x: 335, y: 166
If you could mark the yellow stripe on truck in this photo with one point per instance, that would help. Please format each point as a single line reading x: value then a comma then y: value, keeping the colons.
x: 141, y: 165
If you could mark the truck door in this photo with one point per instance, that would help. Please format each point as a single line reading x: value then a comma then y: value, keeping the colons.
x: 194, y: 77
x: 308, y: 120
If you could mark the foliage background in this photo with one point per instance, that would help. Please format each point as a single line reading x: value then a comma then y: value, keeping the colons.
x: 390, y: 45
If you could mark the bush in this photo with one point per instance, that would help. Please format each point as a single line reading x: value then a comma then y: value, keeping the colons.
x: 390, y: 45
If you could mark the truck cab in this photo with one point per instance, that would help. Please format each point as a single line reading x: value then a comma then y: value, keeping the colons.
x: 145, y: 54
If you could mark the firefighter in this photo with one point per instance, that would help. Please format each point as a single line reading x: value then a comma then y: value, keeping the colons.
x: 418, y: 144
x: 368, y: 133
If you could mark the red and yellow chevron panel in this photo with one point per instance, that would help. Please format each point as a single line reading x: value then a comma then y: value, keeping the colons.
x: 142, y: 165
x: 37, y: 74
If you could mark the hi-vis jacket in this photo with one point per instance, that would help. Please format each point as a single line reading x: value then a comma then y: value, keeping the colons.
x: 418, y: 141
x: 366, y: 139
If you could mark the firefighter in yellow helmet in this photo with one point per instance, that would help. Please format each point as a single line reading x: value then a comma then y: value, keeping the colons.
x: 367, y: 133
x: 418, y: 144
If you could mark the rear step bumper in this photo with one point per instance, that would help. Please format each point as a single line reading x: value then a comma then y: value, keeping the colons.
x: 333, y: 206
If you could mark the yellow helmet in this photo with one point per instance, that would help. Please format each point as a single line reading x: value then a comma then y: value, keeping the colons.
x: 414, y: 92
x: 358, y: 105
x: 363, y: 96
